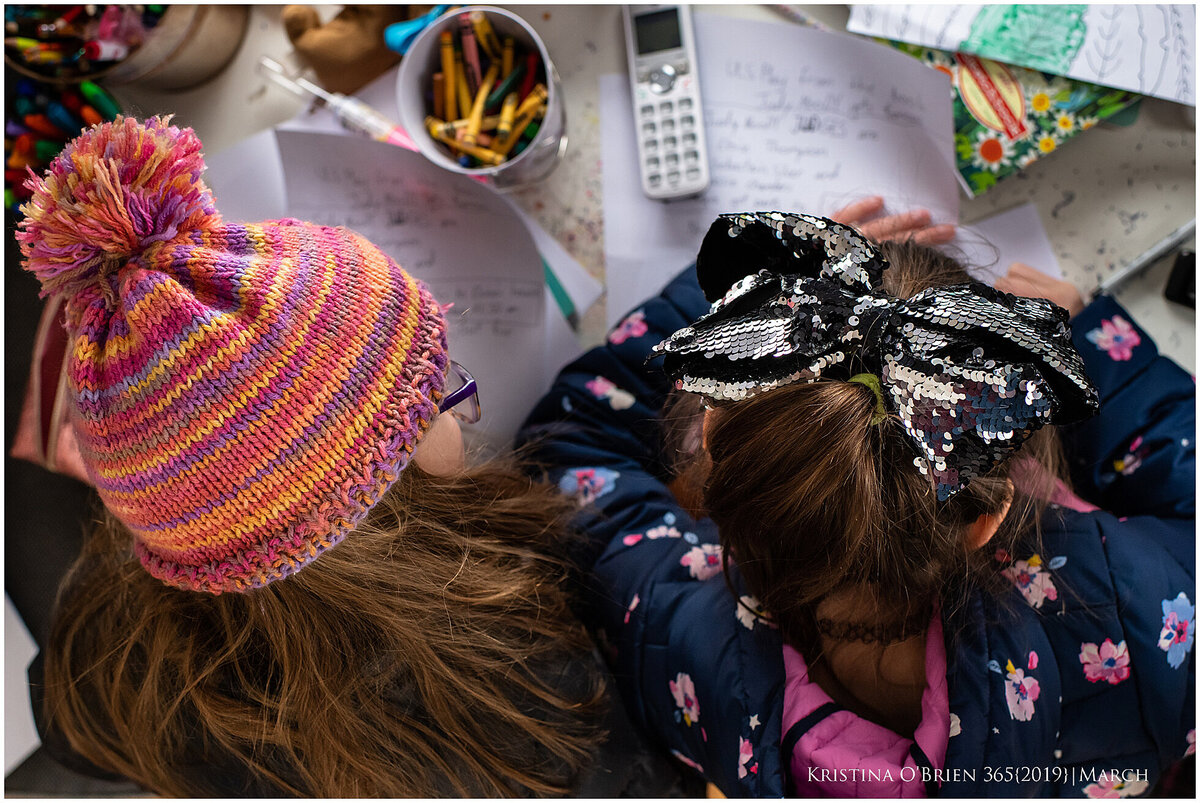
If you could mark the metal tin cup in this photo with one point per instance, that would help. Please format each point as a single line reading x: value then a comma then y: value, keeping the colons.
x: 415, y: 78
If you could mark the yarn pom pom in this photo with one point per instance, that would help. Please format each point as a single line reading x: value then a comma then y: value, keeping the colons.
x: 115, y: 190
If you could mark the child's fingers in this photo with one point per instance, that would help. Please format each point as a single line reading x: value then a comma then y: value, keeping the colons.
x: 890, y: 227
x: 859, y: 210
x: 935, y: 235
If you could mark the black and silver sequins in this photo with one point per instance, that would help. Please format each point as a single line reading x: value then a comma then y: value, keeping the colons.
x: 970, y: 372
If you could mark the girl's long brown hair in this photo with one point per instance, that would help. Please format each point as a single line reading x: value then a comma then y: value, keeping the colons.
x: 431, y: 653
x: 810, y: 498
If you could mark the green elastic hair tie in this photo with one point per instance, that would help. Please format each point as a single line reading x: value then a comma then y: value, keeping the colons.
x: 872, y: 381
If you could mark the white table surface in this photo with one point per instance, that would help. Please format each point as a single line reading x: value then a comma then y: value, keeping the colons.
x: 1104, y: 199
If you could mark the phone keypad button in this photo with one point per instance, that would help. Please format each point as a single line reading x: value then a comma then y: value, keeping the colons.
x: 670, y: 142
x: 651, y: 145
x: 689, y: 138
x: 685, y: 104
x: 672, y: 160
x: 687, y: 121
x: 649, y: 128
x: 668, y: 124
x: 654, y: 179
x: 693, y: 173
x: 653, y: 162
x: 667, y: 107
x: 673, y: 177
x: 692, y: 156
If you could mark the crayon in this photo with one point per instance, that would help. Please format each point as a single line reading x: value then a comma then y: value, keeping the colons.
x: 62, y: 118
x: 476, y: 116
x: 14, y: 129
x: 464, y: 92
x: 530, y: 74
x: 21, y: 42
x: 470, y: 54
x: 450, y: 101
x: 72, y: 100
x: 506, y: 85
x: 41, y: 124
x: 100, y: 100
x: 506, y: 56
x: 526, y: 113
x: 507, y: 114
x: 484, y: 155
x: 45, y: 149
x: 481, y: 139
x: 90, y: 115
x: 23, y: 105
x: 19, y: 160
x: 105, y: 50
x: 537, y: 96
x: 485, y: 35
x: 439, y: 95
x: 450, y: 128
x: 10, y: 198
x: 41, y: 56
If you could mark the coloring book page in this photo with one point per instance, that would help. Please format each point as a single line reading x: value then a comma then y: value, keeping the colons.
x: 1149, y: 49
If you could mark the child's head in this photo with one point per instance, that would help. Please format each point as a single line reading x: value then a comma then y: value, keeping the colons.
x: 857, y: 443
x: 247, y: 398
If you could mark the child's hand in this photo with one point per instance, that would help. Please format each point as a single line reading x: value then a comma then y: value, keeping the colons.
x: 914, y: 223
x: 1028, y: 281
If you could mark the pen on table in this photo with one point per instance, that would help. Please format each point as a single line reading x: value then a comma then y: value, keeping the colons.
x: 1152, y: 255
x: 352, y: 113
x: 561, y: 297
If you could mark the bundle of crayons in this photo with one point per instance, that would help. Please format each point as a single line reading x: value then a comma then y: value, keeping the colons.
x: 72, y: 42
x: 40, y: 120
x: 489, y: 98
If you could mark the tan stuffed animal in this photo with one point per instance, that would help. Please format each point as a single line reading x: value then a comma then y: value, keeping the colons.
x: 347, y: 52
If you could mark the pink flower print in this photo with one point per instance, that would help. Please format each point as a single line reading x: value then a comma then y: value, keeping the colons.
x: 603, y: 388
x: 1108, y: 661
x: 1020, y: 694
x: 663, y: 531
x: 1191, y: 740
x: 1178, y: 629
x: 633, y: 326
x: 745, y: 753
x: 1032, y: 580
x: 1111, y: 784
x: 1033, y: 660
x: 599, y: 386
x: 684, y: 692
x: 1131, y: 461
x: 703, y: 561
x: 587, y: 484
x: 750, y: 613
x: 1117, y: 337
x: 632, y: 604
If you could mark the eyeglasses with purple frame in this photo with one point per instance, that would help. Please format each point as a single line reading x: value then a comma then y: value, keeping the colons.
x: 466, y: 391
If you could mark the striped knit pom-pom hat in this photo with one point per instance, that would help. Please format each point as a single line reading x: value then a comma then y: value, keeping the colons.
x: 244, y: 393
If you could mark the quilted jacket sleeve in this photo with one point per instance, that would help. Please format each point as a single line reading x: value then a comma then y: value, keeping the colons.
x: 1138, y: 456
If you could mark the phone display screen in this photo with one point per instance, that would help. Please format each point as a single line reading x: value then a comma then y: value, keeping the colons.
x: 658, y: 30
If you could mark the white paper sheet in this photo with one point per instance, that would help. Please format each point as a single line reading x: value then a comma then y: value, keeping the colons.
x: 1149, y: 49
x: 20, y: 733
x: 797, y: 120
x: 454, y: 234
x: 1015, y: 235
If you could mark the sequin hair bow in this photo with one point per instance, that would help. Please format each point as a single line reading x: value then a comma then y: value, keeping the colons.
x: 968, y: 371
